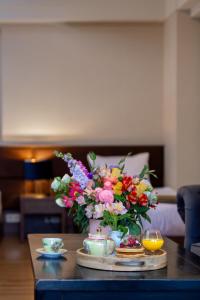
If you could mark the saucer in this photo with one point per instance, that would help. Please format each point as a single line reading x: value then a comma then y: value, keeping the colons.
x: 51, y: 254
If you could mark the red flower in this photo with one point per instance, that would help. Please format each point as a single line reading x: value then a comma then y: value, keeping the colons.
x: 132, y: 197
x: 127, y: 182
x: 143, y: 200
x: 75, y: 190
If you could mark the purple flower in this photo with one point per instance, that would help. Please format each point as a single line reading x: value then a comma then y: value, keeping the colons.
x: 77, y: 169
x: 90, y: 175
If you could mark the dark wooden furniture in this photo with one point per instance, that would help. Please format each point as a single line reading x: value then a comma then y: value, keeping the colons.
x: 12, y: 182
x: 39, y: 205
x: 63, y: 279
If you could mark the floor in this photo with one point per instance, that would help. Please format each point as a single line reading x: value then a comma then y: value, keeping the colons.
x: 16, y: 280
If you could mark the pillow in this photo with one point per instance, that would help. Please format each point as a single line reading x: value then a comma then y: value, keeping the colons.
x: 133, y: 164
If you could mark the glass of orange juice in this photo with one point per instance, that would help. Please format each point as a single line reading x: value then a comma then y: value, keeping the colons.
x: 152, y: 240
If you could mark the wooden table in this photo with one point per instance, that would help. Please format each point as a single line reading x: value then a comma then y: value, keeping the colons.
x: 64, y: 279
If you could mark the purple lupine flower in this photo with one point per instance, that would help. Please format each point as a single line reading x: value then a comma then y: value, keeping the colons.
x: 77, y: 169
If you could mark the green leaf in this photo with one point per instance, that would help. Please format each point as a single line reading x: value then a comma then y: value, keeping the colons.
x: 122, y: 161
x: 123, y: 229
x: 120, y: 198
x: 92, y: 156
x: 152, y: 173
x: 134, y: 229
x: 146, y: 217
x: 144, y: 171
x: 141, y: 209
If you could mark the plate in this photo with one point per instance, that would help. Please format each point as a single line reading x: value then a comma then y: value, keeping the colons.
x: 51, y: 254
x: 130, y: 250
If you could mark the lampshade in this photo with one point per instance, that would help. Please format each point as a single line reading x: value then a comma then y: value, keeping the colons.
x: 37, y: 169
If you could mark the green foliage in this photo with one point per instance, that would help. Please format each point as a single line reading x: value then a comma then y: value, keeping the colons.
x: 92, y: 155
x: 141, y: 209
x: 134, y: 229
x: 119, y: 198
x: 91, y: 162
x: 80, y: 219
x: 122, y: 161
x: 145, y: 172
x: 146, y: 217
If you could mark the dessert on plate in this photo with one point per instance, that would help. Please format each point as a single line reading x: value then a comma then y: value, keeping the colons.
x: 130, y: 247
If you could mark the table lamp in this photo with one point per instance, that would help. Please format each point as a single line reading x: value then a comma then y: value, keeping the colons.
x: 38, y: 171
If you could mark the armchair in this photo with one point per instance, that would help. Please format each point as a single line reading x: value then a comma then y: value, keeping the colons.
x: 188, y: 203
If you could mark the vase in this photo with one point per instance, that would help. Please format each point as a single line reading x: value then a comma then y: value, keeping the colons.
x: 116, y: 236
x: 95, y: 224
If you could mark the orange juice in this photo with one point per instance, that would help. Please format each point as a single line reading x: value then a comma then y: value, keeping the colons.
x: 152, y: 244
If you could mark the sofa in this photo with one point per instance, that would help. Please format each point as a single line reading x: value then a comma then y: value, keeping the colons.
x: 188, y: 203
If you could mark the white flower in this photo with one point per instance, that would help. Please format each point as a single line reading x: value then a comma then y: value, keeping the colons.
x: 89, y: 211
x: 66, y: 179
x: 55, y: 184
x: 60, y: 202
x: 119, y: 208
x: 80, y: 200
x: 99, y: 209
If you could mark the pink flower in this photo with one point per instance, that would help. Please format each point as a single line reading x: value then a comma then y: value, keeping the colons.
x: 90, y: 184
x: 111, y: 179
x: 68, y: 202
x: 106, y: 196
x: 98, y: 191
x: 107, y: 185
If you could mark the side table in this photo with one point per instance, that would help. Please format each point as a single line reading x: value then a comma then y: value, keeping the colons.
x: 36, y: 204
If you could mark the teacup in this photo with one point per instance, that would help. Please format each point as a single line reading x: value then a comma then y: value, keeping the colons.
x: 52, y: 244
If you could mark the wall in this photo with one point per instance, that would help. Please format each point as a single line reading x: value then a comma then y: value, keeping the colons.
x: 93, y: 84
x: 181, y: 105
x: 57, y: 11
x: 170, y: 100
x: 188, y: 85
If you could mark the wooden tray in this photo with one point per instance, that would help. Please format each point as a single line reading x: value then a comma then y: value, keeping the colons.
x: 114, y: 263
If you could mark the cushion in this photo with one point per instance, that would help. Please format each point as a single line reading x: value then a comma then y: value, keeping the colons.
x: 133, y: 164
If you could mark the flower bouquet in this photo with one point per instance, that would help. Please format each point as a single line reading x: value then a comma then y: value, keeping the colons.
x: 105, y: 193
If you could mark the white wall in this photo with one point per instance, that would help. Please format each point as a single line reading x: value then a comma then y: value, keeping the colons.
x: 62, y: 11
x: 188, y: 120
x: 93, y: 84
x: 182, y: 100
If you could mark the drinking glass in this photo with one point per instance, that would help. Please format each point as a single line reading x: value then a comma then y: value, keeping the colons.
x: 152, y: 240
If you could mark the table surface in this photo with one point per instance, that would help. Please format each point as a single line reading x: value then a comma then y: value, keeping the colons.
x: 65, y: 274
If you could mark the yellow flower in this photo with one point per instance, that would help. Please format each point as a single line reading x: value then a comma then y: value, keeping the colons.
x: 116, y: 172
x: 118, y: 188
x: 141, y: 188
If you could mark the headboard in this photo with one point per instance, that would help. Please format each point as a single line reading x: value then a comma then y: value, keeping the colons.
x: 12, y: 158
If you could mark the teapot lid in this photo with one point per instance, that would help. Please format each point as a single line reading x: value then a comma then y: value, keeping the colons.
x: 98, y: 235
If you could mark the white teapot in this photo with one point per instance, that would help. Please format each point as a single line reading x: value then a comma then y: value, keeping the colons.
x: 99, y: 244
